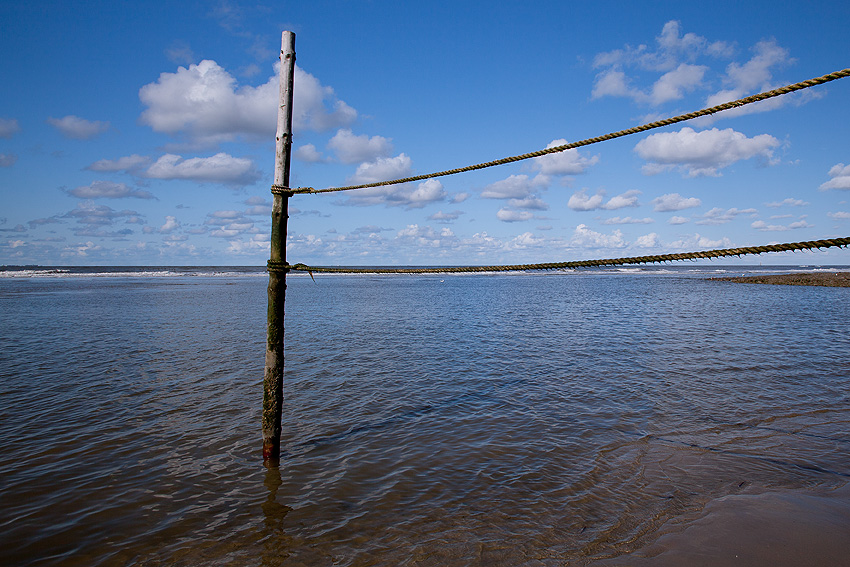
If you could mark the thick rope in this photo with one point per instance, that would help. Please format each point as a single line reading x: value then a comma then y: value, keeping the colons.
x: 666, y: 122
x: 720, y: 253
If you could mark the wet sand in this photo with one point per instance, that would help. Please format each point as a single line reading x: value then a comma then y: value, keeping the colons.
x: 828, y: 279
x: 775, y: 529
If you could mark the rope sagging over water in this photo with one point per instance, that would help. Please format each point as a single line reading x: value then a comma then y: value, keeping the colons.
x: 719, y: 253
x: 665, y: 122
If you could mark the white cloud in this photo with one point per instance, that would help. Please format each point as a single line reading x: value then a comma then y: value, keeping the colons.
x: 583, y: 237
x: 763, y: 226
x: 753, y: 76
x: 87, y: 213
x: 787, y: 202
x: 404, y: 195
x: 78, y: 128
x: 702, y: 153
x: 459, y: 198
x: 171, y: 224
x: 612, y: 83
x: 673, y: 84
x: 722, y: 216
x: 678, y: 220
x: 382, y: 169
x: 9, y: 127
x: 627, y: 220
x: 532, y: 203
x: 674, y: 202
x: 672, y: 47
x: 568, y: 162
x: 650, y: 240
x: 308, y: 153
x: 673, y: 56
x: 508, y: 215
x: 756, y: 72
x: 130, y: 163
x: 627, y: 199
x: 108, y: 190
x: 699, y: 241
x: 220, y: 168
x: 442, y: 217
x: 840, y: 178
x: 8, y: 160
x: 581, y: 201
x: 514, y: 187
x: 352, y: 149
x: 205, y: 103
x: 840, y: 215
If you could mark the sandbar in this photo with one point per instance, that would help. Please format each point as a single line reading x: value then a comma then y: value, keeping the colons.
x: 827, y: 279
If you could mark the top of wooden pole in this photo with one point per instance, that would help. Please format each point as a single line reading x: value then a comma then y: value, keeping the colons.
x: 283, y: 139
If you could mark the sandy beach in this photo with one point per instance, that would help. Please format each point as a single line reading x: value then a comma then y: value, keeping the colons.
x: 827, y: 279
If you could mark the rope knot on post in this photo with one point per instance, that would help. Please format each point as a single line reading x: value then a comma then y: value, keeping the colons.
x: 281, y: 190
x: 273, y: 266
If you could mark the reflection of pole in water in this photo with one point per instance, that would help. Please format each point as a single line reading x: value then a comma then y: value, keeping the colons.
x: 276, y: 544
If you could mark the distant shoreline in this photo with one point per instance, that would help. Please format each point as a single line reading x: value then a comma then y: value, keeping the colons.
x: 826, y: 279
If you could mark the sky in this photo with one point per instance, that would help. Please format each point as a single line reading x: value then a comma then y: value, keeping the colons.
x: 142, y: 133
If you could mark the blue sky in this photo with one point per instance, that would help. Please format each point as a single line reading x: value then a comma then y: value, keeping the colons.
x: 142, y: 133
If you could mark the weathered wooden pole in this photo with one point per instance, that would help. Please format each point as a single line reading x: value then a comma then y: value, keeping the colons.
x: 273, y: 380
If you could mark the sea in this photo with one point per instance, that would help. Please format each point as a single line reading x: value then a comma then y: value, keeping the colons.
x: 595, y: 416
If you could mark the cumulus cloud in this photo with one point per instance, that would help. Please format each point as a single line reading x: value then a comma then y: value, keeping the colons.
x: 514, y: 187
x: 382, y: 169
x: 309, y: 154
x: 840, y: 215
x: 651, y: 240
x: 442, y: 217
x: 568, y: 162
x: 754, y: 76
x: 129, y: 163
x: 230, y: 224
x: 405, y: 195
x: 108, y: 190
x: 9, y: 127
x: 220, y: 168
x: 763, y: 226
x: 718, y: 215
x: 205, y: 103
x: 350, y: 148
x: 673, y: 56
x: 674, y: 84
x: 702, y: 153
x: 584, y: 237
x: 8, y: 160
x: 581, y: 201
x: 88, y: 213
x: 78, y: 128
x: 698, y: 241
x: 678, y: 220
x: 171, y: 224
x: 509, y: 215
x: 671, y: 47
x: 674, y: 202
x: 840, y: 178
x: 787, y: 202
x: 628, y: 220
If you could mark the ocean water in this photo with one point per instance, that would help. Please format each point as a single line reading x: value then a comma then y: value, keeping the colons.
x: 518, y: 419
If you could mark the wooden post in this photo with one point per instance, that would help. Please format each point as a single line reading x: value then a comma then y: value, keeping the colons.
x: 273, y: 379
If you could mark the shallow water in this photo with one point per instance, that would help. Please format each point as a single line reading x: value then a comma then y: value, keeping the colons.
x: 429, y: 420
